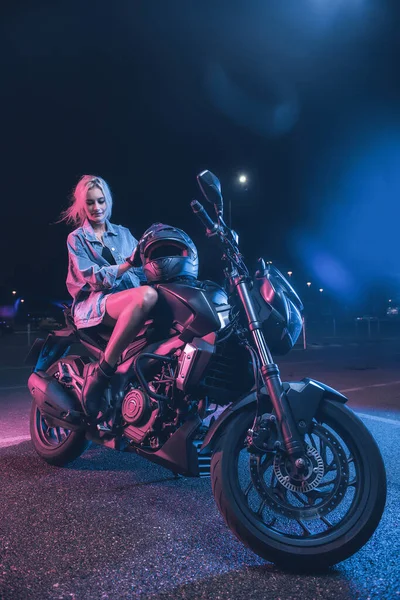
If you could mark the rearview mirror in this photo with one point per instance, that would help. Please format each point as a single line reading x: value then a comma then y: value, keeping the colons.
x: 211, y: 189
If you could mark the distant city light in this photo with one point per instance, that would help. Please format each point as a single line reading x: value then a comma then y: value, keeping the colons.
x: 308, y: 283
x: 242, y: 178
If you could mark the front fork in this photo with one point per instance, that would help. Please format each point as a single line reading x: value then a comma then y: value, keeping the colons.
x: 271, y: 378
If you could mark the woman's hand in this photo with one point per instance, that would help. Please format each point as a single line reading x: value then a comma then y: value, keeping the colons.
x: 123, y: 268
x: 134, y: 258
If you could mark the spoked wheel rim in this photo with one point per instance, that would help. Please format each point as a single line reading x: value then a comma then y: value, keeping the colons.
x: 311, y: 510
x: 51, y: 436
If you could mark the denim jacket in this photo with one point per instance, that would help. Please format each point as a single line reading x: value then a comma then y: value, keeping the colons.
x: 91, y: 278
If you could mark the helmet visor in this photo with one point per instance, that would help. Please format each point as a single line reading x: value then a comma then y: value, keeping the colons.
x: 164, y: 249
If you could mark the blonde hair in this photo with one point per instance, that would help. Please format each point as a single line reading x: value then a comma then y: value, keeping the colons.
x: 75, y: 214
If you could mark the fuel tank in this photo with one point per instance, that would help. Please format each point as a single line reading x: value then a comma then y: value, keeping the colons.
x: 194, y: 310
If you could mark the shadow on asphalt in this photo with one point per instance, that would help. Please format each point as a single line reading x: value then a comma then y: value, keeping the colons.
x: 95, y: 458
x: 261, y: 583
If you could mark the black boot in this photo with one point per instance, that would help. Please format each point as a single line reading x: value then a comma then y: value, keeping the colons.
x: 94, y: 385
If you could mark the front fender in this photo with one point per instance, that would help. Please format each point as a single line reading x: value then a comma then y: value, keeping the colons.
x: 304, y: 398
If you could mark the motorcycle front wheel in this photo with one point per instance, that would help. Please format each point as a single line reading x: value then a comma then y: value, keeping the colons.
x: 303, y: 523
x: 57, y: 445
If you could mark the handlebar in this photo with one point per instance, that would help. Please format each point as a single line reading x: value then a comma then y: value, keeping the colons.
x: 226, y: 237
x: 204, y: 217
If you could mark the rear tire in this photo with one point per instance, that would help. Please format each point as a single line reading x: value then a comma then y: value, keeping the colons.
x: 58, y: 446
x: 355, y: 498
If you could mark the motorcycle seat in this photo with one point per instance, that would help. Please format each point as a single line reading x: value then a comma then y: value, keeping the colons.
x: 100, y: 334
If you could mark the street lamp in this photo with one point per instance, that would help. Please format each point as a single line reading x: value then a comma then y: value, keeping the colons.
x: 308, y: 283
x: 22, y: 300
x: 242, y: 179
x: 321, y: 289
x: 14, y: 292
x: 290, y: 273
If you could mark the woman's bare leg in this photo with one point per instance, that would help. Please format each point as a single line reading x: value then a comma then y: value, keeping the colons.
x: 128, y: 310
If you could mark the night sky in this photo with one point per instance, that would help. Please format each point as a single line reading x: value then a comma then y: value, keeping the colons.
x: 303, y: 96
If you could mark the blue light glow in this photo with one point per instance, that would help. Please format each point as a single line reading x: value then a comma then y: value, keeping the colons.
x: 357, y: 240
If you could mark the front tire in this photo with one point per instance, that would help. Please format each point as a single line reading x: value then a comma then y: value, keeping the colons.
x: 58, y: 446
x: 336, y: 515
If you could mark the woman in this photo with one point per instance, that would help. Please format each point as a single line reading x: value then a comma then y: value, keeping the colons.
x: 103, y: 282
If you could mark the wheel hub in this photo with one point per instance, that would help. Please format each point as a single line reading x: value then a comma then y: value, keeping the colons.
x: 296, y: 481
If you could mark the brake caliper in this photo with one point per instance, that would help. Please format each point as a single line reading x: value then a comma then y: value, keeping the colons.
x: 263, y: 437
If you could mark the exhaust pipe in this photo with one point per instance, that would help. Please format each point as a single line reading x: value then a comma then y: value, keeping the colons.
x: 54, y: 402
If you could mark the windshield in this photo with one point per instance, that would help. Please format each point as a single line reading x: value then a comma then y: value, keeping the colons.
x: 279, y: 281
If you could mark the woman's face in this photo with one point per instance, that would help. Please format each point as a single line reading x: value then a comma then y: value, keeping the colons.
x: 96, y: 206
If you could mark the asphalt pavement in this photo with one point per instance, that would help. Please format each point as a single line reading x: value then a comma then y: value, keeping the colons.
x: 113, y: 525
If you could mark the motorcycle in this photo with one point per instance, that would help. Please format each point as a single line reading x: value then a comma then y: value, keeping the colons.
x: 296, y: 475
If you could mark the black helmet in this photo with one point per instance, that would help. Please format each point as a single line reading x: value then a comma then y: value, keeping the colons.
x: 167, y: 253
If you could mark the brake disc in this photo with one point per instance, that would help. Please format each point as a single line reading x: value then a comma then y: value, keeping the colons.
x: 305, y: 495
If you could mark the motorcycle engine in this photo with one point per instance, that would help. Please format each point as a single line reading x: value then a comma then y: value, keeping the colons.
x: 139, y: 413
x: 146, y: 420
x: 136, y: 407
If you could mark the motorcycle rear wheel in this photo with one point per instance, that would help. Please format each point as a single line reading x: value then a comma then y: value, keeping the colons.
x: 58, y: 446
x: 308, y: 528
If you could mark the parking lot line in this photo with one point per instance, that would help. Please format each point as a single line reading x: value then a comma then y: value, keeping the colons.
x: 11, y: 441
x: 367, y: 387
x: 380, y: 419
x: 13, y: 387
x: 15, y: 368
